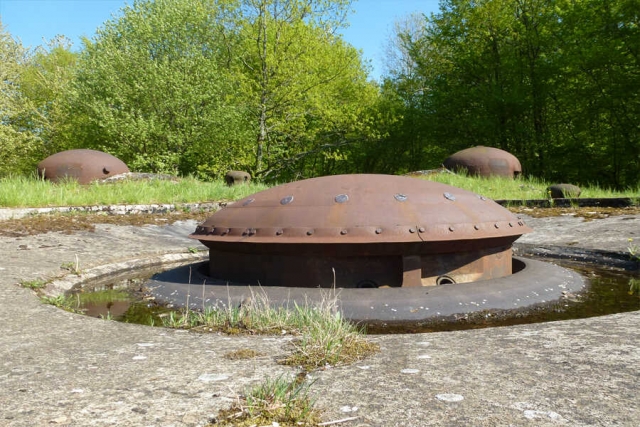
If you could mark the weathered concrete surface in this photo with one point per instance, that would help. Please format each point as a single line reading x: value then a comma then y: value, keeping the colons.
x: 63, y: 369
x: 16, y: 213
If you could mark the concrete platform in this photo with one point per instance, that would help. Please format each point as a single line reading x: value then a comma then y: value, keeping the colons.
x: 534, y: 283
x: 62, y: 369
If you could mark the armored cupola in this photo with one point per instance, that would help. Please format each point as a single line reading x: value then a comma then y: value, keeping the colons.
x: 360, y: 231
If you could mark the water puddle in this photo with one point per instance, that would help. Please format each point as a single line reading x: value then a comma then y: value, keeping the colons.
x: 608, y: 292
x: 124, y: 302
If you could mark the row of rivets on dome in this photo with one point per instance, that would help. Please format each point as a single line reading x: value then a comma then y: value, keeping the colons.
x: 343, y: 198
x: 222, y: 231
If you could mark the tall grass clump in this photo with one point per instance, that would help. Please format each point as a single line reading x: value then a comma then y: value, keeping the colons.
x: 35, y: 192
x: 276, y: 401
x: 323, y: 336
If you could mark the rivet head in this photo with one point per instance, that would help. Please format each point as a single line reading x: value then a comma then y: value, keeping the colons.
x: 343, y: 232
x: 510, y: 225
x: 341, y: 198
x: 286, y: 200
x: 476, y: 227
x: 412, y: 230
x: 400, y: 197
x: 248, y: 202
x: 309, y: 233
x: 451, y: 228
x: 449, y: 196
x: 496, y: 225
x: 421, y: 229
x: 279, y: 232
x: 378, y: 230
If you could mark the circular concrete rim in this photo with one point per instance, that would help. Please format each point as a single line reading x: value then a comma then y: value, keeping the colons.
x: 536, y: 283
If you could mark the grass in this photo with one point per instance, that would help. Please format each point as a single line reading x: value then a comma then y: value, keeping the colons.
x: 523, y: 188
x: 634, y: 250
x: 34, y: 192
x: 323, y: 336
x: 16, y: 192
x: 73, y: 267
x: 33, y: 284
x: 67, y: 303
x: 279, y: 401
x: 242, y: 354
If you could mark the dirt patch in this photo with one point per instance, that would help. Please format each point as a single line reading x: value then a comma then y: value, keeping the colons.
x: 69, y: 223
x: 587, y: 213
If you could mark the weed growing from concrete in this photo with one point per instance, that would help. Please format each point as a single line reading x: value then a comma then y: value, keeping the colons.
x: 73, y: 267
x: 33, y: 284
x: 106, y: 316
x: 276, y: 401
x: 242, y: 354
x: 634, y: 286
x: 61, y: 301
x: 323, y: 336
x: 634, y: 250
x: 328, y: 341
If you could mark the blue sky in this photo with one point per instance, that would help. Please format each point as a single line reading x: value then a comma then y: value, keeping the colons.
x: 33, y: 20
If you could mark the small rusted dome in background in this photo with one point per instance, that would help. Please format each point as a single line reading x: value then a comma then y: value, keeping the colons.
x: 83, y: 165
x: 484, y: 161
x: 562, y: 191
x: 362, y: 231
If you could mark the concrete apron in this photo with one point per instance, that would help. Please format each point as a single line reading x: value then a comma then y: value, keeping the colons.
x: 58, y: 368
x: 536, y: 283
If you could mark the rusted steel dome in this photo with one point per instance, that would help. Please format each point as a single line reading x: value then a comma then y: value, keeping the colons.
x: 363, y: 231
x: 83, y: 165
x: 484, y: 161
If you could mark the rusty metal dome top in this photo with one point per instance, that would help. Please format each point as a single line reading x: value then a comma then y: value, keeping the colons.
x: 83, y: 165
x: 360, y: 209
x: 484, y: 161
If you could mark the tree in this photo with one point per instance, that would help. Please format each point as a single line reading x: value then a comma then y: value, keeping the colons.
x: 598, y: 98
x: 552, y: 81
x: 305, y: 88
x: 45, y: 83
x: 155, y: 91
x: 204, y: 86
x: 18, y: 145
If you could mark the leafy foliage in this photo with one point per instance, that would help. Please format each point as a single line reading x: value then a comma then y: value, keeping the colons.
x: 203, y: 86
x: 17, y: 142
x: 155, y: 93
x: 305, y: 88
x: 549, y: 80
x: 45, y: 82
x: 269, y: 86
